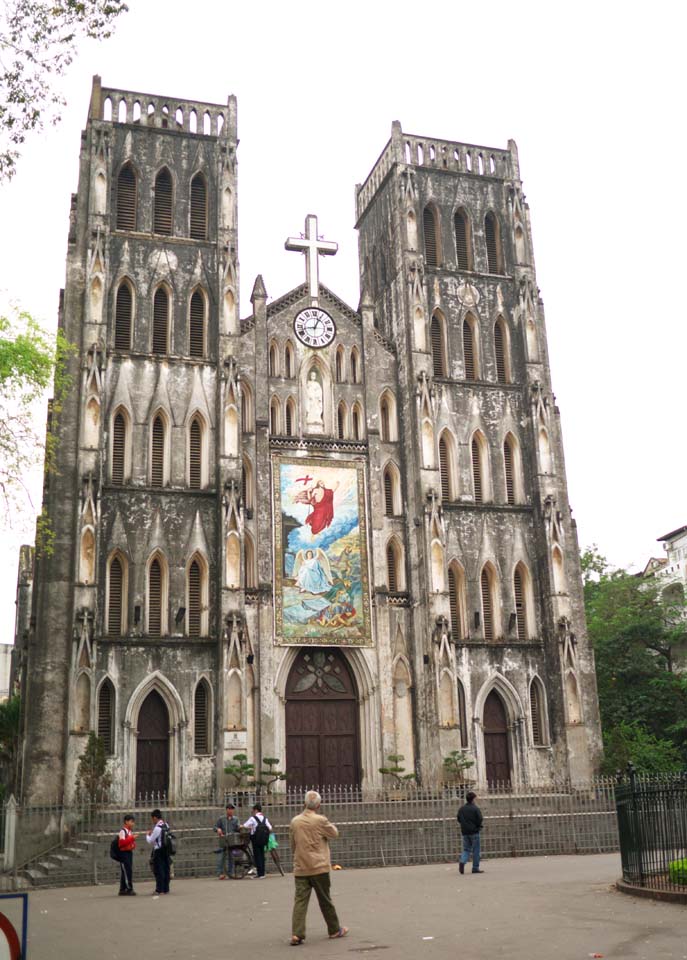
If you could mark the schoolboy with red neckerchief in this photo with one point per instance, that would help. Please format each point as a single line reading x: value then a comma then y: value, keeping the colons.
x: 127, y: 845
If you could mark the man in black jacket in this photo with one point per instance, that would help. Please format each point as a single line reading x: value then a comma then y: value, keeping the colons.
x: 470, y: 820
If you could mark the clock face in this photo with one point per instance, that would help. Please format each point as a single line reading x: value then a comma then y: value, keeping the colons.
x: 314, y: 327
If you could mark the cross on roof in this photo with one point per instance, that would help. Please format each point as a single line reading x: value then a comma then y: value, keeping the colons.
x: 312, y: 248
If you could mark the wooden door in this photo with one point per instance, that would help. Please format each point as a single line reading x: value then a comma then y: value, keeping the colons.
x: 152, y: 754
x: 496, y: 747
x: 322, y: 746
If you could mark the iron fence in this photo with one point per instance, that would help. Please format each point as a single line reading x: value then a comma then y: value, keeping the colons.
x: 652, y: 827
x: 58, y: 844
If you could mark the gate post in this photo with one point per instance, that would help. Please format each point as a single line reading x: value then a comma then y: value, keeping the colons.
x: 10, y: 832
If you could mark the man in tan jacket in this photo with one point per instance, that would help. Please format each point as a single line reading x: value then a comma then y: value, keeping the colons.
x: 310, y: 834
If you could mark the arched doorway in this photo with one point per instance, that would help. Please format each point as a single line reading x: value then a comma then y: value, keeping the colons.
x: 496, y: 748
x: 322, y: 744
x: 152, y: 749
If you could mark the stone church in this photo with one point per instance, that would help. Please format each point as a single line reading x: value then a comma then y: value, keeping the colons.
x: 303, y: 530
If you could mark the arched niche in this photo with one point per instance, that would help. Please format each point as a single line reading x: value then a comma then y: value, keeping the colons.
x: 227, y: 208
x: 572, y: 699
x: 229, y: 312
x: 420, y: 328
x: 82, y: 704
x: 428, y: 445
x: 545, y: 465
x: 317, y: 371
x: 403, y: 713
x: 96, y: 300
x: 411, y: 225
x: 437, y: 567
x: 100, y: 191
x: 234, y: 701
x: 231, y: 431
x: 233, y: 561
x: 447, y: 700
x: 91, y: 432
x: 87, y: 556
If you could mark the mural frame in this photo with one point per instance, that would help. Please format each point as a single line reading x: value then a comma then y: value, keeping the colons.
x: 343, y: 636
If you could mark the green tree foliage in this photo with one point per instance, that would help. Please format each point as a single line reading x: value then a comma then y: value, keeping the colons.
x: 394, y: 768
x: 92, y: 778
x: 271, y: 774
x: 638, y: 636
x: 241, y: 772
x: 30, y: 359
x: 9, y: 741
x: 38, y: 41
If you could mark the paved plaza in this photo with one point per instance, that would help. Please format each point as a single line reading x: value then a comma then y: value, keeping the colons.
x: 546, y: 908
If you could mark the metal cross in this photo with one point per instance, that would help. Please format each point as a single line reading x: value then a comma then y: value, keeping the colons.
x: 312, y: 248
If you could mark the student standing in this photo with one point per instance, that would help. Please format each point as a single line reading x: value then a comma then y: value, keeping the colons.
x: 260, y: 830
x: 155, y: 837
x: 127, y: 844
x: 470, y: 820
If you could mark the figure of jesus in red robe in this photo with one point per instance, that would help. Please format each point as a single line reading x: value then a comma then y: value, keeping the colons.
x: 321, y: 501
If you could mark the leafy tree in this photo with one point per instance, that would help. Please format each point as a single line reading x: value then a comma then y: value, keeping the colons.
x: 92, y: 778
x: 38, y: 41
x: 394, y: 768
x: 637, y: 635
x: 240, y: 770
x: 9, y: 741
x: 272, y: 774
x: 456, y: 763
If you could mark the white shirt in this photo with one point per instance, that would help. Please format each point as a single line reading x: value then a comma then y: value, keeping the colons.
x: 156, y: 836
x: 253, y: 823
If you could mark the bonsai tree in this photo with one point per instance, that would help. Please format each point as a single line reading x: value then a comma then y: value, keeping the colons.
x: 456, y: 763
x: 273, y: 775
x: 92, y: 778
x: 394, y: 768
x: 240, y: 770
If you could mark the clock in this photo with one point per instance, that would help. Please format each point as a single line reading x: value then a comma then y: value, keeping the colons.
x: 314, y: 327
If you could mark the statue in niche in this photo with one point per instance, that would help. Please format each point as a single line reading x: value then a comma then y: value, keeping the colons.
x: 314, y: 403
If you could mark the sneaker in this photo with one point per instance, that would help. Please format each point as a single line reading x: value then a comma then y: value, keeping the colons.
x: 478, y: 871
x: 461, y: 867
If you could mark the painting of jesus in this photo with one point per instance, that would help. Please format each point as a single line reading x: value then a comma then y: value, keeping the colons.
x: 321, y: 578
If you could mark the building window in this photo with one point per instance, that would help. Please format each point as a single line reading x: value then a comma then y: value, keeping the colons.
x: 249, y: 555
x: 463, y: 240
x: 195, y: 454
x: 157, y: 453
x: 126, y: 198
x: 194, y: 587
x: 161, y: 321
x: 290, y: 418
x: 500, y: 351
x: 341, y: 421
x: 488, y: 604
x: 163, y: 203
x: 275, y: 409
x: 274, y: 360
x: 508, y: 467
x: 537, y: 713
x: 462, y: 715
x: 155, y: 598
x: 387, y: 417
x: 447, y: 466
x: 355, y: 366
x: 520, y: 604
x: 116, y: 596
x: 480, y: 467
x: 357, y: 423
x: 199, y: 208
x: 340, y: 365
x: 106, y: 726
x: 392, y: 491
x: 119, y: 447
x: 457, y: 601
x: 431, y: 236
x: 438, y: 352
x: 469, y: 350
x: 492, y: 235
x: 201, y: 718
x: 288, y: 362
x: 124, y: 310
x: 196, y: 333
x: 394, y: 573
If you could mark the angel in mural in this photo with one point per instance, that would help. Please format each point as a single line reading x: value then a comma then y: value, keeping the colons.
x: 312, y: 571
x: 321, y: 502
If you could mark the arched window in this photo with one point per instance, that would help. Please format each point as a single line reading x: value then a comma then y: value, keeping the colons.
x: 247, y: 484
x: 196, y: 598
x: 341, y: 421
x: 106, y: 725
x: 489, y: 611
x: 156, y: 598
x: 394, y: 566
x: 431, y: 237
x: 196, y: 471
x: 249, y: 554
x: 501, y: 351
x: 470, y: 355
x: 508, y: 466
x: 447, y: 466
x: 479, y: 453
x: 120, y: 445
x: 357, y: 421
x: 289, y: 368
x: 457, y: 601
x: 124, y: 316
x: 246, y: 408
x: 157, y: 452
x: 290, y: 418
x: 492, y: 235
x: 340, y: 365
x: 274, y: 360
x: 126, y: 198
x: 201, y: 718
x: 520, y: 588
x: 463, y: 240
x: 275, y: 410
x: 392, y: 491
x: 196, y: 325
x: 161, y: 321
x: 387, y: 417
x: 462, y: 715
x: 537, y: 713
x: 116, y: 595
x: 355, y: 366
x: 199, y: 208
x: 163, y: 203
x: 438, y: 351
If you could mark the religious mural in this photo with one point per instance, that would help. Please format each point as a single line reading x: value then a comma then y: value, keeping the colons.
x: 321, y: 584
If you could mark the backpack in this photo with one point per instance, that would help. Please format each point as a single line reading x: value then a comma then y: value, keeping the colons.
x: 168, y: 842
x: 115, y: 852
x: 261, y: 834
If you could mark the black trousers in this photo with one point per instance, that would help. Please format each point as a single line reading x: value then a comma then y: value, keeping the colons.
x: 259, y: 857
x: 126, y: 877
x: 161, y: 871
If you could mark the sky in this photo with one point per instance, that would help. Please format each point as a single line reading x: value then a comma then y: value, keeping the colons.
x: 593, y: 94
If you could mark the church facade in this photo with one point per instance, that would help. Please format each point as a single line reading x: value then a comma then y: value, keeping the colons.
x: 315, y: 533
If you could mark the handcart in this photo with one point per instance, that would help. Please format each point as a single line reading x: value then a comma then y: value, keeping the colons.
x: 241, y: 853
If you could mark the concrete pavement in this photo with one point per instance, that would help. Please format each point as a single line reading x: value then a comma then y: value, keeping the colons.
x: 539, y: 908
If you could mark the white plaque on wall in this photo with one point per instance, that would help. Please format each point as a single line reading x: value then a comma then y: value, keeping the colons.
x: 236, y: 740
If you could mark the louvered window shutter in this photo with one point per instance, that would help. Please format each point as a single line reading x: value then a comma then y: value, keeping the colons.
x: 114, y: 606
x: 462, y: 253
x: 356, y: 424
x: 274, y: 419
x: 438, y: 364
x: 126, y: 199
x: 194, y: 599
x: 487, y: 609
x: 430, y: 234
x: 197, y: 325
x: 354, y: 367
x: 453, y: 604
x: 123, y: 317
x: 536, y: 712
x: 158, y: 453
x: 288, y: 364
x: 340, y: 422
x: 339, y: 367
x: 160, y: 321
x: 490, y: 232
x: 244, y: 488
x: 392, y: 572
x: 520, y: 616
x: 508, y: 466
x: 195, y: 455
x: 289, y: 420
x: 499, y: 350
x: 462, y: 716
x: 444, y: 469
x: 388, y: 493
x: 469, y: 351
x: 155, y: 599
x: 199, y: 208
x: 118, y: 448
x: 162, y: 215
x: 386, y: 434
x: 105, y: 717
x: 476, y: 470
x: 200, y: 717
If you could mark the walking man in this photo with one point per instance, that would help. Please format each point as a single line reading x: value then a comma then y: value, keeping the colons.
x: 127, y: 844
x: 260, y: 830
x: 225, y: 825
x: 156, y: 838
x: 310, y: 833
x: 470, y: 820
